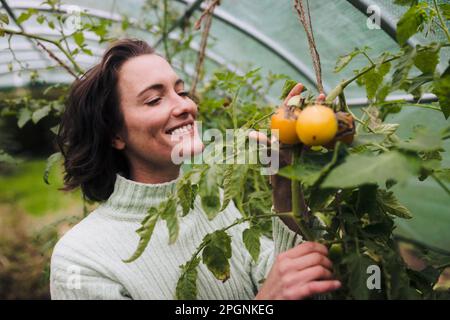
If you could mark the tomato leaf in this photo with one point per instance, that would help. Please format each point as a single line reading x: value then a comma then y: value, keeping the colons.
x: 427, y: 57
x: 360, y: 169
x: 402, y: 68
x: 145, y: 232
x: 217, y: 253
x: 442, y: 91
x: 287, y: 87
x: 411, y: 22
x: 423, y: 140
x: 251, y: 238
x: 233, y: 182
x: 169, y: 214
x: 187, y: 192
x: 344, y: 60
x: 187, y: 284
x: 357, y: 272
x: 389, y: 204
x: 209, y: 193
x: 374, y: 78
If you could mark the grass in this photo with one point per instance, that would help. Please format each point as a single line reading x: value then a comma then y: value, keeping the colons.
x: 24, y: 187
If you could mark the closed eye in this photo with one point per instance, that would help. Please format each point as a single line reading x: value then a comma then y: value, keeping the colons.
x: 184, y: 93
x: 154, y: 102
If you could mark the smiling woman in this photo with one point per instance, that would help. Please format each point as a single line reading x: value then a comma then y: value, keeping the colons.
x: 123, y: 120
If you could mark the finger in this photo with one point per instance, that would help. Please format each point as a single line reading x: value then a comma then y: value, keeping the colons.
x: 312, y: 288
x: 296, y: 90
x: 320, y: 98
x: 310, y: 274
x: 312, y: 259
x: 305, y: 248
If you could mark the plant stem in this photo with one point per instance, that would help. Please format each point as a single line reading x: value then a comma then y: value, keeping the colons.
x: 299, y: 209
x: 165, y: 33
x: 441, y: 183
x: 78, y: 69
x: 441, y: 20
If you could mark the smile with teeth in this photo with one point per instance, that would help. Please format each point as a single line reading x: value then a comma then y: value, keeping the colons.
x: 182, y: 130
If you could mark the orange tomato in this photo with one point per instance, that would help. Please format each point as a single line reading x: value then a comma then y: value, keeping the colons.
x: 285, y: 121
x: 316, y: 125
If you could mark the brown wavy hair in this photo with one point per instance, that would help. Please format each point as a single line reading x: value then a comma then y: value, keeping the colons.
x: 90, y: 121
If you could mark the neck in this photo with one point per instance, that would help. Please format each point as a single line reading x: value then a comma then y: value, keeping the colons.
x: 147, y: 174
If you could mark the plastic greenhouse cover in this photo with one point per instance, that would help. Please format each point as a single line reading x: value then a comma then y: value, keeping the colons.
x: 246, y: 34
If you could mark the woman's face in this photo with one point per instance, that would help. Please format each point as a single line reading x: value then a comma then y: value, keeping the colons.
x: 158, y: 114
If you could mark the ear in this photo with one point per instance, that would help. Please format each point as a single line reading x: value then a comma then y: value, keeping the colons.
x: 118, y: 143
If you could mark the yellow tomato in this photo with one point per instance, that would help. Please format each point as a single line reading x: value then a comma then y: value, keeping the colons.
x: 316, y: 125
x: 285, y: 121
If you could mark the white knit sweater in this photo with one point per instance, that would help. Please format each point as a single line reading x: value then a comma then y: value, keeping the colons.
x: 87, y: 261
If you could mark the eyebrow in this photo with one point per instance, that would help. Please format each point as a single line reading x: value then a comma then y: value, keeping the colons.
x: 158, y: 86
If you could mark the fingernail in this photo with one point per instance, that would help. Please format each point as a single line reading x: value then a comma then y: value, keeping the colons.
x: 337, y: 284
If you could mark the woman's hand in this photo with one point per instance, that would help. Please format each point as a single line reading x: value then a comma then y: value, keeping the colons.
x: 281, y: 186
x: 298, y: 273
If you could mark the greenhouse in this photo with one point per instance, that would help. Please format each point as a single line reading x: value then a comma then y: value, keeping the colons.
x: 366, y: 134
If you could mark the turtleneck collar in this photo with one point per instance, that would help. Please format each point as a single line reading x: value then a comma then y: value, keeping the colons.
x: 131, y: 199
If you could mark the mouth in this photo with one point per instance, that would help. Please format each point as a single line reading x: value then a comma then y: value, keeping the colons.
x: 181, y: 129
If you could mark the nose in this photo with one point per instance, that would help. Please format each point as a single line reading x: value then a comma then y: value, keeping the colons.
x: 184, y: 107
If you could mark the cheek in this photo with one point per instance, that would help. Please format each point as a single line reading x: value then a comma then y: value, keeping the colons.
x: 146, y: 128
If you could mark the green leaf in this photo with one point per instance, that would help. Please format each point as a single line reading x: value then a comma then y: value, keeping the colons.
x: 24, y: 16
x: 251, y: 238
x: 187, y: 192
x: 54, y: 158
x: 374, y: 78
x: 24, y: 117
x: 427, y: 58
x: 40, y: 19
x: 217, y: 253
x: 145, y: 232
x: 402, y: 68
x: 312, y: 166
x: 359, y: 169
x: 169, y: 214
x: 40, y: 113
x: 423, y: 140
x: 344, y: 60
x: 442, y: 91
x: 209, y: 193
x: 445, y: 8
x: 79, y: 38
x: 357, y: 272
x: 87, y: 51
x: 389, y: 204
x: 187, y: 284
x: 233, y: 182
x: 4, y: 18
x: 287, y: 87
x: 411, y: 22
